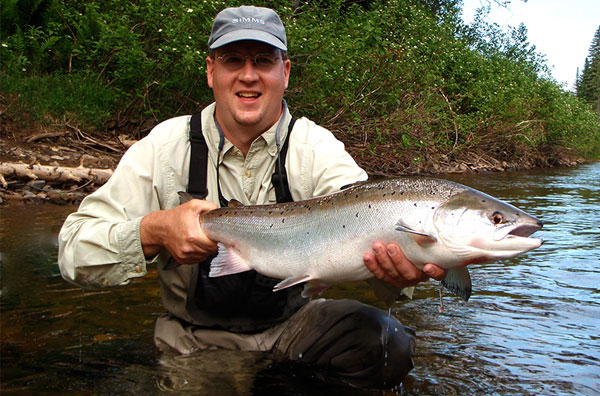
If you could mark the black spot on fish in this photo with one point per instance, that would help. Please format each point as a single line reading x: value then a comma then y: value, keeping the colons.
x: 370, y: 206
x: 393, y: 192
x: 356, y: 196
x: 356, y: 214
x: 483, y: 200
x: 270, y: 212
x: 283, y: 220
x: 271, y: 226
x: 343, y: 226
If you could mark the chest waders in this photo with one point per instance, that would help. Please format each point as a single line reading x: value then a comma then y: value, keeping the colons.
x: 243, y: 302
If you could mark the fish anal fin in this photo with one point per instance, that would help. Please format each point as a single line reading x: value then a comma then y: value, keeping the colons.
x: 291, y: 281
x: 227, y: 262
x: 458, y: 281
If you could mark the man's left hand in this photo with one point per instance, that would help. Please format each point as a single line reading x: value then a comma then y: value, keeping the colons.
x: 388, y: 263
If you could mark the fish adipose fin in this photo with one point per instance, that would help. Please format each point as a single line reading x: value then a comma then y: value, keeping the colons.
x: 458, y: 281
x: 227, y: 262
x: 419, y: 237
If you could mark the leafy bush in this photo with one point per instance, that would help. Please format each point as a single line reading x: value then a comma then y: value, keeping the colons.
x: 388, y: 77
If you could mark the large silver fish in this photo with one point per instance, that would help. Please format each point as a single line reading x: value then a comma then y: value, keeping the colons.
x: 322, y: 241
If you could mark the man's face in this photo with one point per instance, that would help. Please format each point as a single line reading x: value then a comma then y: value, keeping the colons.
x: 249, y: 98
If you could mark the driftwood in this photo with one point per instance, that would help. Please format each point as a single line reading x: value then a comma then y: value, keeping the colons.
x: 46, y: 136
x: 53, y: 173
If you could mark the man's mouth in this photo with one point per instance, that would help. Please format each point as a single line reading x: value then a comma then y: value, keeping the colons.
x: 248, y: 94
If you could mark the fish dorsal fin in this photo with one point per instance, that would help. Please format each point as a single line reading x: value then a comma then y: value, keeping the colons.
x: 352, y: 185
x: 419, y: 237
x: 227, y: 262
x: 458, y: 281
x: 234, y: 203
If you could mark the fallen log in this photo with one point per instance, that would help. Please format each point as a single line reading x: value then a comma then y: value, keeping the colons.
x: 54, y: 173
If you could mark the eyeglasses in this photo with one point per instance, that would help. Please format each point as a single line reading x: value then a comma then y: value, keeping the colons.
x: 237, y: 61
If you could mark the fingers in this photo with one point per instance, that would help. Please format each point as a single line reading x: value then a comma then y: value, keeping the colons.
x: 435, y: 272
x: 179, y: 232
x: 389, y: 264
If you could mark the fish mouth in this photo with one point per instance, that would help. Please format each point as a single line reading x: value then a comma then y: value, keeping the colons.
x: 524, y: 230
x: 509, y: 241
x: 520, y: 230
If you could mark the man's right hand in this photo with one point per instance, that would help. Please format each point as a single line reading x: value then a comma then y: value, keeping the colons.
x: 178, y: 230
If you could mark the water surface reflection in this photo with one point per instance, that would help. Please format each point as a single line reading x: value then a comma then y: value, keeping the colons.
x: 532, y: 325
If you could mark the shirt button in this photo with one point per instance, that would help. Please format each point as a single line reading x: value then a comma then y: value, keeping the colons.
x: 273, y: 150
x: 248, y: 173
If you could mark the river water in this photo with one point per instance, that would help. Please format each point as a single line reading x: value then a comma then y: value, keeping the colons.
x: 531, y: 327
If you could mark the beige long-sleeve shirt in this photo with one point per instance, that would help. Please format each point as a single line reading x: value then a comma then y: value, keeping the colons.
x: 99, y: 245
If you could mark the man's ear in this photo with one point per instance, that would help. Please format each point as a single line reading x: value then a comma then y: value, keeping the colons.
x: 287, y: 67
x: 210, y: 62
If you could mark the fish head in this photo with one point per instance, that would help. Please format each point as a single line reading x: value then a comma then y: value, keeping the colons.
x: 481, y: 228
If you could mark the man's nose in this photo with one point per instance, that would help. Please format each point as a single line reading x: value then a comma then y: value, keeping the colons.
x: 248, y: 70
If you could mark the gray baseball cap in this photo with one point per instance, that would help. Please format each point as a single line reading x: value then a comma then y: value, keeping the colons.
x: 247, y: 23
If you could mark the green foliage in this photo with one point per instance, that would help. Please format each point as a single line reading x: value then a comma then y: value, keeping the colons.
x: 588, y: 83
x: 396, y: 75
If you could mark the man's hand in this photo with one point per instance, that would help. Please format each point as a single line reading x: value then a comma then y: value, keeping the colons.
x: 178, y: 231
x: 389, y: 264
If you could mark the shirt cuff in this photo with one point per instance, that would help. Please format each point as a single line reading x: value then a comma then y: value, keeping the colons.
x: 133, y: 262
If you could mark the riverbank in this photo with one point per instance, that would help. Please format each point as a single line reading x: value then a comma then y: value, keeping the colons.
x: 71, y: 148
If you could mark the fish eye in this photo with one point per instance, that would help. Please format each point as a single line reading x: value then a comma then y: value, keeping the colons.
x: 497, y: 218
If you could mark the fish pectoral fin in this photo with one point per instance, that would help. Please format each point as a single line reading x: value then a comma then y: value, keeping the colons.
x: 458, y: 281
x: 388, y: 293
x: 227, y: 262
x: 291, y: 281
x: 419, y: 237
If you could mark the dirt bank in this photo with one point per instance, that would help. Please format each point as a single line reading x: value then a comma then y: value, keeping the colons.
x: 68, y: 146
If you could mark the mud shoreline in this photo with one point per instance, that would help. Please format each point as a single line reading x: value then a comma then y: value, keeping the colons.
x: 63, y: 150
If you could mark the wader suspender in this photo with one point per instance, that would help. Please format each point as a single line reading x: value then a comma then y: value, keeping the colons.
x: 216, y: 302
x: 199, y: 162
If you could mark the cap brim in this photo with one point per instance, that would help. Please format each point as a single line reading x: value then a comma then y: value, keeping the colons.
x: 248, y: 34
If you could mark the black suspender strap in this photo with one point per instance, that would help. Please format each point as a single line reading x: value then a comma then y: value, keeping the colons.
x: 279, y: 178
x: 199, y: 164
x: 198, y: 159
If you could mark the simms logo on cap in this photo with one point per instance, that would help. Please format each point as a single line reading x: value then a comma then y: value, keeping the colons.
x: 248, y: 20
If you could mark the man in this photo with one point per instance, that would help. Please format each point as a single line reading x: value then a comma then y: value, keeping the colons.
x: 135, y: 219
